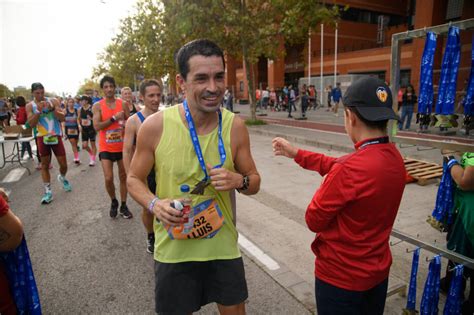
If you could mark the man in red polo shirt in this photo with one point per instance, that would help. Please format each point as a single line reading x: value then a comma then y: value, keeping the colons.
x: 354, y: 209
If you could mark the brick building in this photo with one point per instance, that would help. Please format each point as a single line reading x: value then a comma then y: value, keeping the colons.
x: 363, y: 47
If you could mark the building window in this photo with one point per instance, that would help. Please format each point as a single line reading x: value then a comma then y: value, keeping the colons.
x: 454, y: 10
x: 241, y: 86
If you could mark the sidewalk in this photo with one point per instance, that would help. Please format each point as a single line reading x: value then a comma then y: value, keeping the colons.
x: 324, y: 130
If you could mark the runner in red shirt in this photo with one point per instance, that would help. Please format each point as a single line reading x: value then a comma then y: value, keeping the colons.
x: 354, y: 209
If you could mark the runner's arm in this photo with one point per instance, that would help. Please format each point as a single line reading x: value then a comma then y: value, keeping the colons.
x: 97, y: 118
x: 11, y: 231
x: 58, y: 113
x: 126, y: 109
x: 243, y: 160
x: 128, y: 147
x: 143, y: 160
x: 32, y: 117
x: 464, y: 178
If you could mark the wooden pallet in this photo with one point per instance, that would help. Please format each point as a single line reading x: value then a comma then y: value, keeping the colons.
x: 423, y: 172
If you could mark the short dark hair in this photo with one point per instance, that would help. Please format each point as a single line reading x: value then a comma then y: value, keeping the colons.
x: 86, y: 98
x: 107, y: 78
x: 20, y: 101
x: 202, y: 47
x: 36, y: 86
x: 379, y: 125
x: 147, y: 83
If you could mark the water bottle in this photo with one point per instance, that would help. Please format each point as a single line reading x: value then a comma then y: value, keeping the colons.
x: 187, y: 209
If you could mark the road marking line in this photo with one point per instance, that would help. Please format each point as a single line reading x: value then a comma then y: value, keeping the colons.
x: 14, y: 175
x: 257, y: 253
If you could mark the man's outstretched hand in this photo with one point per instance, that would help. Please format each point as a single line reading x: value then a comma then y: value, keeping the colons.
x: 283, y: 147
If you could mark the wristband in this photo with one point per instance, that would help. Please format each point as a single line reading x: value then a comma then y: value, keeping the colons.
x: 451, y: 163
x: 112, y: 119
x: 151, y: 205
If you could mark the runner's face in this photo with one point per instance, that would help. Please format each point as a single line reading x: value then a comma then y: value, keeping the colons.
x: 127, y: 95
x: 38, y: 94
x: 152, y: 98
x: 70, y: 103
x: 109, y: 89
x: 205, y: 83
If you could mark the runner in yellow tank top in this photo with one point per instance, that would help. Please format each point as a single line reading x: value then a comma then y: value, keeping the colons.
x: 205, y: 258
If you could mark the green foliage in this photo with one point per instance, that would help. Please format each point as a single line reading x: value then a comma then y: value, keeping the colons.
x: 245, y: 29
x: 255, y: 122
x: 5, y: 91
x: 88, y: 85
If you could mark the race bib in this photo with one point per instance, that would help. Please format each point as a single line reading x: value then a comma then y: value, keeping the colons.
x: 50, y: 140
x: 206, y: 222
x: 113, y: 136
x: 86, y: 122
x: 72, y: 132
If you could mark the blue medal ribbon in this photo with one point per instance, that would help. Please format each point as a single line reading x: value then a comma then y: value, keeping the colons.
x: 430, y: 298
x: 468, y: 102
x: 197, y: 146
x: 449, y: 74
x: 454, y: 299
x: 425, y: 99
x: 411, y: 299
x: 444, y: 206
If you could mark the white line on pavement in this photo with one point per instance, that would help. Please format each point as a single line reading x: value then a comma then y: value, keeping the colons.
x: 257, y: 253
x: 14, y: 175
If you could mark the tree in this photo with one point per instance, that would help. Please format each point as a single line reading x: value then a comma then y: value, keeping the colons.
x: 5, y: 91
x: 88, y: 85
x: 246, y: 30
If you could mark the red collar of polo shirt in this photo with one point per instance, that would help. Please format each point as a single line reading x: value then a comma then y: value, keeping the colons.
x: 363, y: 143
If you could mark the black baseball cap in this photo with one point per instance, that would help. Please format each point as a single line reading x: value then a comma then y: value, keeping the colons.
x: 372, y: 98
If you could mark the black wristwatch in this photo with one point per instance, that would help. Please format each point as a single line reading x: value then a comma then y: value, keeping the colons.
x: 112, y: 119
x: 245, y: 184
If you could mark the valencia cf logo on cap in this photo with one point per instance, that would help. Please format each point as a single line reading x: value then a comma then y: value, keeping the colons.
x: 382, y: 94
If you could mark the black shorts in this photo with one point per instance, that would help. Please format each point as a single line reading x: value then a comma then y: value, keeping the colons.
x: 112, y: 156
x: 151, y: 180
x: 182, y: 288
x: 88, y: 134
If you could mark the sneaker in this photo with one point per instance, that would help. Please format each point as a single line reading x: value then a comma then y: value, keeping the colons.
x: 65, y: 182
x: 77, y: 161
x: 47, y: 198
x: 150, y: 243
x: 92, y: 163
x: 38, y: 167
x: 125, y: 213
x: 113, y: 208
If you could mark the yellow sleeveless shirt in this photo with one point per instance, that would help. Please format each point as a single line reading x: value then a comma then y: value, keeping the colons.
x: 176, y: 164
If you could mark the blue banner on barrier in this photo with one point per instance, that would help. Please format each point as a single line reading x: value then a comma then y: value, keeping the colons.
x: 425, y: 98
x: 449, y: 74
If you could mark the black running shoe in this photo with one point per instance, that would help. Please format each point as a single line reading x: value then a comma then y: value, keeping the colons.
x: 150, y: 243
x: 114, y: 208
x: 125, y: 213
